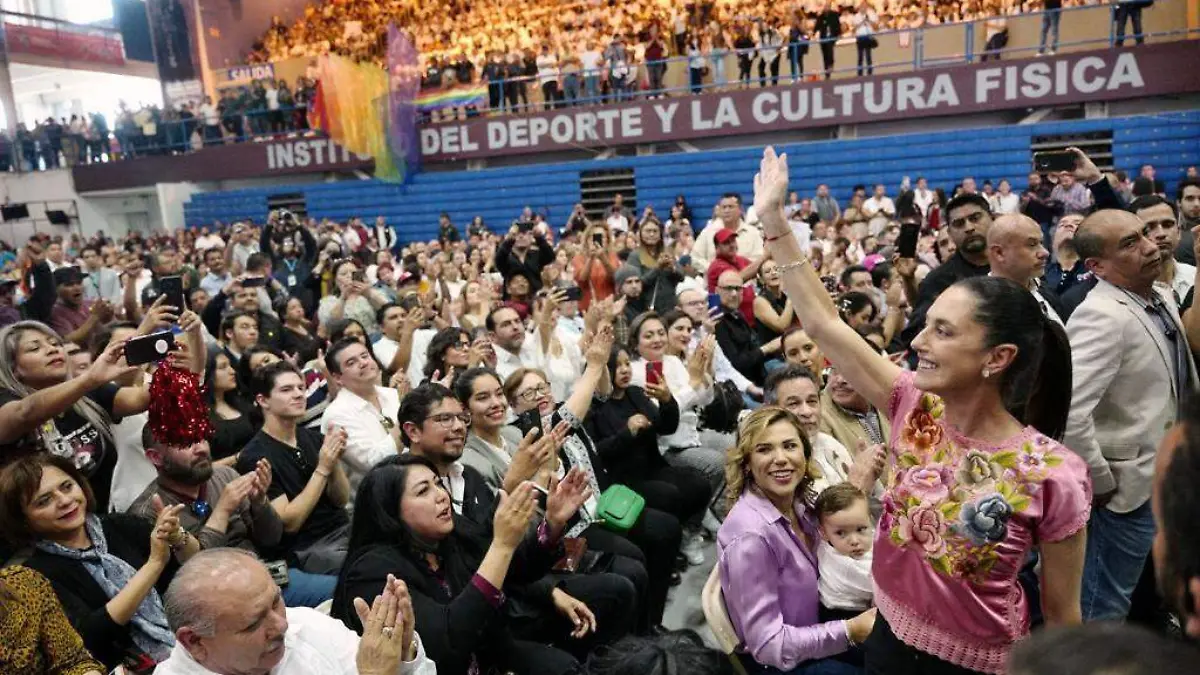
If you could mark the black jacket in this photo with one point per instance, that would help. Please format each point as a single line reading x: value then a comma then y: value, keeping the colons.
x: 740, y: 343
x: 454, y: 617
x: 537, y: 257
x: 83, y: 600
x: 270, y: 331
x: 631, y: 457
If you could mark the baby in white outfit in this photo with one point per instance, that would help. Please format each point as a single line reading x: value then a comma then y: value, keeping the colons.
x: 844, y: 554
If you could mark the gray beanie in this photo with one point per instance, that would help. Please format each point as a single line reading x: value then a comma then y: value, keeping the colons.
x: 623, y: 272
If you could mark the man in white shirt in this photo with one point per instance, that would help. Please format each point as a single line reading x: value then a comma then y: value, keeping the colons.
x: 923, y: 197
x: 100, y: 282
x: 514, y: 348
x: 1162, y: 227
x: 208, y: 240
x: 1015, y: 252
x: 364, y: 409
x: 229, y: 619
x: 218, y: 276
x: 729, y: 217
x: 211, y: 118
x: 879, y: 209
x: 244, y: 245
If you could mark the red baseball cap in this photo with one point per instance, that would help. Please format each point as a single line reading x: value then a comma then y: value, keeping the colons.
x: 724, y: 235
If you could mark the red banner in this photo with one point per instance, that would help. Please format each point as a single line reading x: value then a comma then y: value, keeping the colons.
x: 65, y: 44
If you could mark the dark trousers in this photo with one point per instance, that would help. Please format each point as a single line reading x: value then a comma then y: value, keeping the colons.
x: 744, y: 64
x: 865, y: 65
x: 1130, y: 12
x: 696, y: 79
x: 550, y: 94
x: 827, y: 56
x: 887, y: 655
x: 495, y: 95
x: 654, y: 542
x: 763, y: 67
x: 528, y: 656
x: 679, y: 491
x: 611, y: 598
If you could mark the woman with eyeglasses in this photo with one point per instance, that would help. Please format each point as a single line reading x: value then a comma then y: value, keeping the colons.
x: 655, y: 538
x: 479, y: 595
x: 448, y: 351
x: 108, y: 569
x: 773, y: 313
x: 655, y: 266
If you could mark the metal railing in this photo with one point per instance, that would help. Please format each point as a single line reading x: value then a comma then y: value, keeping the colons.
x: 178, y: 137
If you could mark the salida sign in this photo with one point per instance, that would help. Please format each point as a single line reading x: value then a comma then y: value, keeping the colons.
x: 1089, y: 76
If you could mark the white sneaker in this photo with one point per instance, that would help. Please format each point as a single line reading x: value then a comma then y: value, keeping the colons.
x: 710, y: 522
x: 693, y: 550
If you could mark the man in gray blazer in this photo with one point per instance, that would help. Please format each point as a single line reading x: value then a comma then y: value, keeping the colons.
x: 1132, y: 373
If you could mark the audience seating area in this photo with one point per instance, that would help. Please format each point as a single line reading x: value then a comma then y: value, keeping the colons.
x: 1170, y: 142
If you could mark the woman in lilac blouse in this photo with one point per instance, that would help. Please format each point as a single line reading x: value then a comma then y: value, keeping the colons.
x: 767, y: 553
x: 975, y: 480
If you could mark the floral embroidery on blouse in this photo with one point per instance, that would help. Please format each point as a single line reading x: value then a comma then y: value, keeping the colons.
x: 953, y: 504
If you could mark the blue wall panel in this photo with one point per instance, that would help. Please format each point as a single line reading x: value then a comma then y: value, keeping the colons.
x: 1171, y: 142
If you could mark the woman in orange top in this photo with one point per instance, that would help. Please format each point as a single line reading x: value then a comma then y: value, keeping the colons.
x: 593, y: 268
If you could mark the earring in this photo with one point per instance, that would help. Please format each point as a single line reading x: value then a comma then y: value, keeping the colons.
x: 986, y: 373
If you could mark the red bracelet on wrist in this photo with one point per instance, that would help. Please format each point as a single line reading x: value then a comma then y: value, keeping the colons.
x: 778, y: 236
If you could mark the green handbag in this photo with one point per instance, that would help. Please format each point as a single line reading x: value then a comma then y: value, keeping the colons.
x: 619, y: 508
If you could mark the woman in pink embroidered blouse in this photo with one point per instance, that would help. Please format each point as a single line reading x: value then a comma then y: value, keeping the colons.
x: 971, y: 488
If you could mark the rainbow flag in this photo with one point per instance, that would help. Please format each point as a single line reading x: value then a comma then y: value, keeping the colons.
x: 353, y: 102
x: 458, y: 96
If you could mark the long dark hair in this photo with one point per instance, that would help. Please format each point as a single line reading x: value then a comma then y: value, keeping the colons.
x: 210, y: 390
x: 435, y: 354
x: 1036, y: 388
x: 377, y: 521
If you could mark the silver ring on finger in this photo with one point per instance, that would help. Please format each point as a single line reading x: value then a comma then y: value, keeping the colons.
x: 388, y: 632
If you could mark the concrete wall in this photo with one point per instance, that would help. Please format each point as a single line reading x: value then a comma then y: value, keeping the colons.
x: 114, y: 214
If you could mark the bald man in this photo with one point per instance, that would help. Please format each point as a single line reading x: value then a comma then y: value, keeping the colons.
x: 736, y: 337
x: 1015, y: 252
x: 1132, y: 372
x: 229, y: 619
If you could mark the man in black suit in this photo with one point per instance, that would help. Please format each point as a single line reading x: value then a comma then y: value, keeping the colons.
x: 1015, y: 251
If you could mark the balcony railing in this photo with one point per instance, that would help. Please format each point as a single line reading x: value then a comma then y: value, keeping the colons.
x: 1083, y: 28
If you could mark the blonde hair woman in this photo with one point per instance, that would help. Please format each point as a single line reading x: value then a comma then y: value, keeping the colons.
x: 767, y: 553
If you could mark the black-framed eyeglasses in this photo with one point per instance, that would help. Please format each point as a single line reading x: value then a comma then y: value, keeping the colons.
x: 535, y: 393
x: 730, y: 288
x: 446, y: 420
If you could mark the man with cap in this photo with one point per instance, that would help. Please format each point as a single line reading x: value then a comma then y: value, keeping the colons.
x: 72, y: 318
x: 728, y: 260
x: 749, y: 241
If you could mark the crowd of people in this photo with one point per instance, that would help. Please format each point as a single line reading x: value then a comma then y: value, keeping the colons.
x: 559, y: 53
x: 579, y: 52
x: 913, y: 430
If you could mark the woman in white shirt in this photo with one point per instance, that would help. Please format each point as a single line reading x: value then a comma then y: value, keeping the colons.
x: 1005, y: 200
x: 692, y: 386
x: 547, y: 65
x: 865, y: 21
